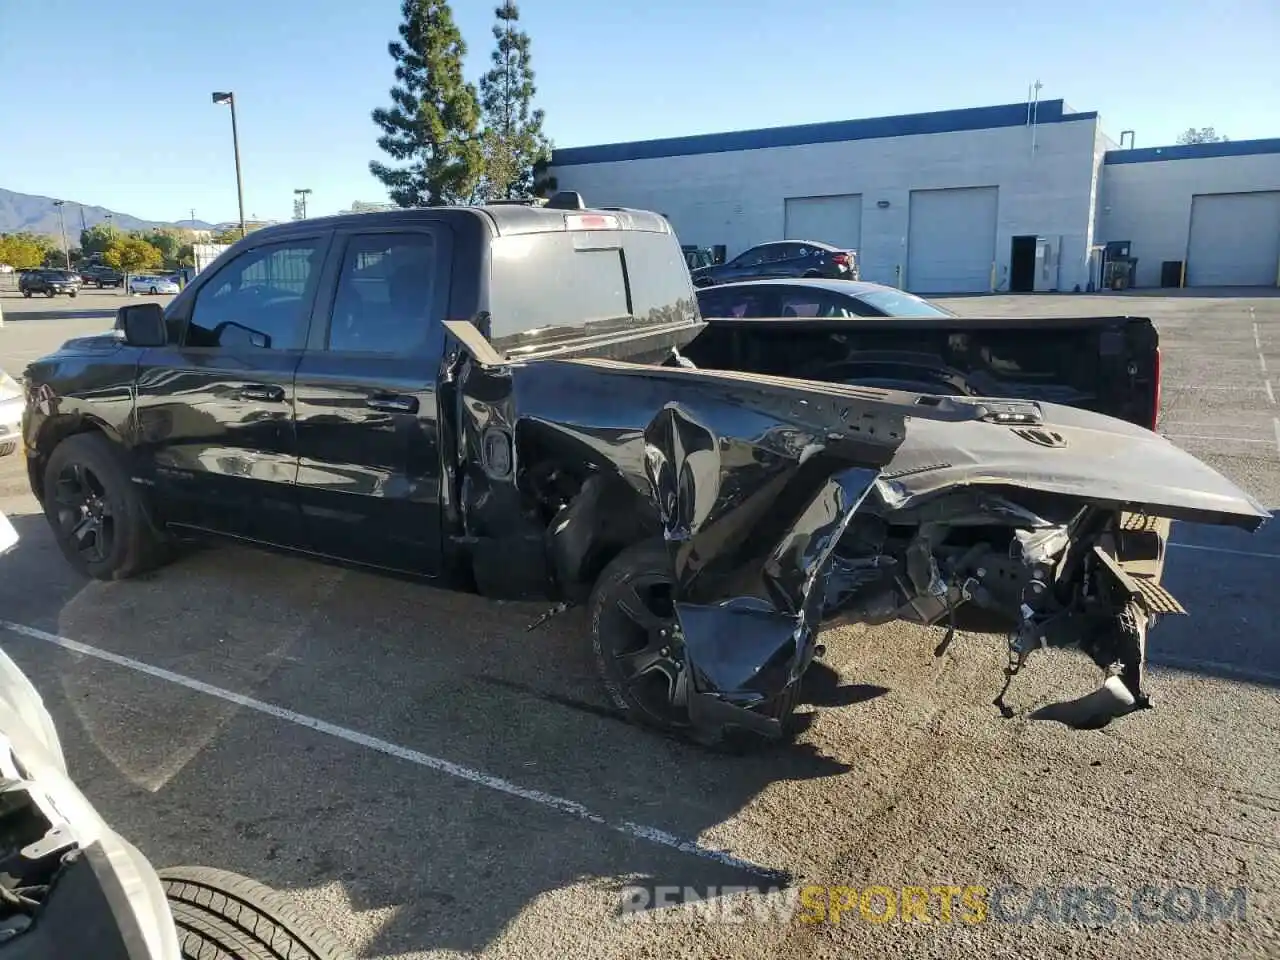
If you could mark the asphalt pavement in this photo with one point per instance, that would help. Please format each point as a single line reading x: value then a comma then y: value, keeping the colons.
x: 437, y: 781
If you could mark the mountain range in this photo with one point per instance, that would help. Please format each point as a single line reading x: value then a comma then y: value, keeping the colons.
x: 26, y: 212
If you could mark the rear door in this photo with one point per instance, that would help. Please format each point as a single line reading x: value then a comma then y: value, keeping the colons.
x: 369, y: 480
x: 215, y: 407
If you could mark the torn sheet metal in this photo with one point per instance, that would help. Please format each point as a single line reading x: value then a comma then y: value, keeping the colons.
x: 752, y: 523
x: 1094, y: 457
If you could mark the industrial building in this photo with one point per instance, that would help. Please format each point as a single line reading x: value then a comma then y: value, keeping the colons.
x: 1016, y: 197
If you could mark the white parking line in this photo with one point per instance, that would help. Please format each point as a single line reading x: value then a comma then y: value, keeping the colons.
x: 1275, y: 425
x: 1201, y: 436
x: 1236, y: 553
x: 637, y: 831
x: 1271, y: 396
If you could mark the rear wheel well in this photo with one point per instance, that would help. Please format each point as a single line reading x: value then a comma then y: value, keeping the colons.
x: 606, y: 516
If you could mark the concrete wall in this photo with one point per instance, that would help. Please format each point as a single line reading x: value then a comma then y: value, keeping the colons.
x: 1147, y: 199
x: 737, y: 196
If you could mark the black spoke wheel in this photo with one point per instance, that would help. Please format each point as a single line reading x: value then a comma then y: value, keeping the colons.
x: 85, y: 516
x: 97, y: 514
x: 636, y: 639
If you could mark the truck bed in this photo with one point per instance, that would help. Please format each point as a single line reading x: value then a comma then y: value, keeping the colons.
x: 1108, y: 365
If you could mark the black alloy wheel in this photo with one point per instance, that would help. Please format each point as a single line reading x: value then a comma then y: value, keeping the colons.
x: 85, y: 516
x: 638, y: 646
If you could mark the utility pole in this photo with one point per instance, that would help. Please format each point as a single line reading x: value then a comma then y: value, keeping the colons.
x: 62, y: 226
x: 230, y: 99
x: 302, y: 200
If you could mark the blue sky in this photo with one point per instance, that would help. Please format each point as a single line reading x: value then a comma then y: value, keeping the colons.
x: 120, y: 90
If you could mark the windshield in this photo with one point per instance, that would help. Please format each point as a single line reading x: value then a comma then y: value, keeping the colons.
x: 899, y: 303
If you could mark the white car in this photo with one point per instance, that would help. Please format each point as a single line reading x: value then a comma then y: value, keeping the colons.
x: 11, y: 406
x: 152, y: 285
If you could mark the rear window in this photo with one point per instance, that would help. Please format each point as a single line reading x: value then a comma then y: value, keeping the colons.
x: 553, y: 286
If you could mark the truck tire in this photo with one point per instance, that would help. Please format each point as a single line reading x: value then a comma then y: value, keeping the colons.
x: 27, y: 294
x: 631, y: 606
x: 224, y: 916
x: 96, y: 512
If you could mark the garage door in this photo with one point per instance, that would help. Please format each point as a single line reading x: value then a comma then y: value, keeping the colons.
x: 1235, y: 240
x: 834, y: 220
x: 951, y: 240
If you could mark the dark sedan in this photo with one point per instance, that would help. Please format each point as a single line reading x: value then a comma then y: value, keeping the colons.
x: 784, y: 258
x: 813, y: 298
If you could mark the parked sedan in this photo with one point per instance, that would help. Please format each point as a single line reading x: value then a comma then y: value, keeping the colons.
x: 11, y: 406
x: 49, y: 282
x: 152, y: 285
x: 784, y: 258
x: 813, y: 298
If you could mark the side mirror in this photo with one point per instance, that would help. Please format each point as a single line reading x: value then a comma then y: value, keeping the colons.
x: 142, y: 325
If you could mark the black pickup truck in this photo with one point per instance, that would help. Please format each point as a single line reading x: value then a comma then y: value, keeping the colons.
x: 523, y: 401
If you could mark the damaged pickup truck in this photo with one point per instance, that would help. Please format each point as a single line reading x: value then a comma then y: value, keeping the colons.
x: 523, y: 401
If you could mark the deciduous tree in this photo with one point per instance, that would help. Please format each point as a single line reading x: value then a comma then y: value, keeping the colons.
x: 131, y: 255
x: 97, y: 238
x: 22, y: 251
x: 430, y: 129
x: 1203, y: 135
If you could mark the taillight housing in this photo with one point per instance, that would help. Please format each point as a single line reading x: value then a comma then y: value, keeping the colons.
x: 840, y: 259
x: 590, y: 221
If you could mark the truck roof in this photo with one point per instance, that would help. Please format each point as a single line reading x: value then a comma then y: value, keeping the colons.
x: 503, y: 219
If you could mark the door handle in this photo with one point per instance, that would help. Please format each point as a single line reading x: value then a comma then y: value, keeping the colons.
x: 393, y: 402
x: 260, y: 391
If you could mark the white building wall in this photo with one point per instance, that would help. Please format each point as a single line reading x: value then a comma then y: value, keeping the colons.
x: 738, y: 198
x: 1149, y: 203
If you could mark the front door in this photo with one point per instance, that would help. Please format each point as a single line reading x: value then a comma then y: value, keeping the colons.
x: 215, y: 407
x: 369, y: 480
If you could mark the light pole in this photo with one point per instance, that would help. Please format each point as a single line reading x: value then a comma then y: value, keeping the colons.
x: 62, y: 226
x: 302, y: 198
x: 230, y: 99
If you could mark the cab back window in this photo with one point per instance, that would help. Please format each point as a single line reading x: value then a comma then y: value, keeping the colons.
x: 564, y: 285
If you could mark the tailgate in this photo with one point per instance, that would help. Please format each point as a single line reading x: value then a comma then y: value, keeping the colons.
x: 1109, y: 365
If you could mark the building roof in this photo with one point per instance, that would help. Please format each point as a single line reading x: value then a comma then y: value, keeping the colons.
x: 875, y: 128
x: 1194, y: 151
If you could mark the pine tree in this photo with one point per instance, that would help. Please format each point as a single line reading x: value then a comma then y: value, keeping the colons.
x: 431, y: 127
x: 514, y: 143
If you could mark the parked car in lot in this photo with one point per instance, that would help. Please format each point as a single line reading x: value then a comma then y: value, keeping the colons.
x: 783, y: 258
x: 49, y: 282
x: 73, y: 887
x: 813, y: 298
x: 522, y: 402
x: 101, y: 276
x: 152, y: 285
x: 12, y: 403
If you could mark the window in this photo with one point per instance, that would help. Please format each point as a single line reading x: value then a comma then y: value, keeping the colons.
x: 258, y: 301
x: 386, y: 294
x: 814, y: 303
x: 730, y: 303
x: 750, y: 257
x: 899, y: 303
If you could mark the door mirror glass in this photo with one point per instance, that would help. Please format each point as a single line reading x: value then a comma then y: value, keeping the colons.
x: 142, y: 324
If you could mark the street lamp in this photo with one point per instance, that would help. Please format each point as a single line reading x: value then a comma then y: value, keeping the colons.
x: 62, y: 226
x: 230, y: 100
x: 302, y: 198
